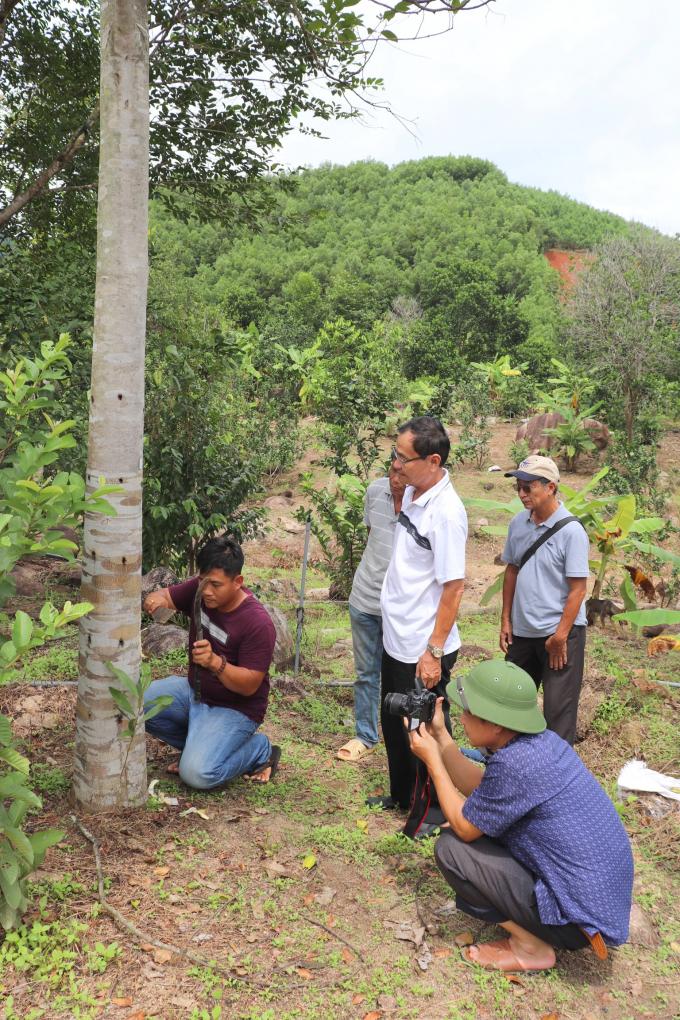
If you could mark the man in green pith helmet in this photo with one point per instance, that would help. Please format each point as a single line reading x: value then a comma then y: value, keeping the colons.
x: 534, y: 844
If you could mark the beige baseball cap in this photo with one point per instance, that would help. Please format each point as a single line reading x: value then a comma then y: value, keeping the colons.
x: 536, y: 469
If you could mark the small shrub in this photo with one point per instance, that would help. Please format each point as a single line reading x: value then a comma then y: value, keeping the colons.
x: 519, y: 451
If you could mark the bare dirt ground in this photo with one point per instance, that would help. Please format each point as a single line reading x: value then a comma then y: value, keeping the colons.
x: 293, y: 900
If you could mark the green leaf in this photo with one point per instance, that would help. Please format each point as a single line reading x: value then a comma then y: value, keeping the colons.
x: 10, y: 889
x: 655, y: 550
x: 387, y: 34
x: 5, y: 731
x: 646, y: 524
x: 157, y: 705
x: 624, y: 516
x: 43, y: 840
x: 513, y: 507
x: 123, y: 678
x: 494, y: 589
x: 15, y: 760
x: 649, y: 617
x: 122, y: 703
x: 22, y: 629
x: 627, y: 590
x: 20, y: 842
x: 13, y: 785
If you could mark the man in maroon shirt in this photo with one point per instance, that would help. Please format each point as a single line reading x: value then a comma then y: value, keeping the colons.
x: 217, y: 709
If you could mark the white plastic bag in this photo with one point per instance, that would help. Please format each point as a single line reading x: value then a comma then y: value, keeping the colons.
x: 635, y: 776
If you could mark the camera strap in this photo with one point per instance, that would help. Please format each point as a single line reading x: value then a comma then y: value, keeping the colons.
x: 544, y: 538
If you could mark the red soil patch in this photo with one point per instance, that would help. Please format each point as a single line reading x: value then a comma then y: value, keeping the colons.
x: 568, y: 263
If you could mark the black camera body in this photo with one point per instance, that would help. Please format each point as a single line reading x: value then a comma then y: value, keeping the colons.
x: 418, y: 705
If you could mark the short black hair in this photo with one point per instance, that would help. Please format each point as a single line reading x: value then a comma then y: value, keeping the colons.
x: 429, y: 436
x: 221, y: 553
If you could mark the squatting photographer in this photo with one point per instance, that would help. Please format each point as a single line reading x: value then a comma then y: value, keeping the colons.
x: 534, y: 844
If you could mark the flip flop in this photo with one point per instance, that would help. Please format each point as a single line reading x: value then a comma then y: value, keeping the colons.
x: 273, y: 764
x: 354, y: 750
x: 500, y: 956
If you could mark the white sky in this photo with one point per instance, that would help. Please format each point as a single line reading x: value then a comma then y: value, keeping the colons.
x: 579, y: 96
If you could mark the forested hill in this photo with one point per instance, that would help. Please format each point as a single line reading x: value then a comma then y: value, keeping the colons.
x: 447, y: 241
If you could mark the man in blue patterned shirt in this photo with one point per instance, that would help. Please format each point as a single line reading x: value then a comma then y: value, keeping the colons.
x: 535, y: 844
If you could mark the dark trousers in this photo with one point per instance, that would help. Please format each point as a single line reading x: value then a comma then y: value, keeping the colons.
x: 561, y: 687
x: 494, y: 887
x: 398, y: 678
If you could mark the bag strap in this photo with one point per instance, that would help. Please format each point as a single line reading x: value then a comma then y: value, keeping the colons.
x: 544, y: 538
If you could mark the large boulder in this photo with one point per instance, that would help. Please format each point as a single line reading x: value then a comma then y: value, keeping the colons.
x: 158, y: 577
x: 534, y: 431
x: 159, y: 639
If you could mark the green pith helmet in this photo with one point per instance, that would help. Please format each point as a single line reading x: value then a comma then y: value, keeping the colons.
x: 499, y: 692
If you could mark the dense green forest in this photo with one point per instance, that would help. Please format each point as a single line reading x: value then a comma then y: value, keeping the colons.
x: 448, y: 243
x: 360, y: 289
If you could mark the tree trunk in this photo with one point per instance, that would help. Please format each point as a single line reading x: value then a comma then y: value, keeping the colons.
x: 108, y: 771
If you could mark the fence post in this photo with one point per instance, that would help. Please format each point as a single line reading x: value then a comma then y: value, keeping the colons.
x: 300, y: 611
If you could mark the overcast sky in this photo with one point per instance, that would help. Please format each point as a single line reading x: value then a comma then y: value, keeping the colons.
x: 579, y: 96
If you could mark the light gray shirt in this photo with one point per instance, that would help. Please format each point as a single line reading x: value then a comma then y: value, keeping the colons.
x: 542, y: 586
x: 380, y: 517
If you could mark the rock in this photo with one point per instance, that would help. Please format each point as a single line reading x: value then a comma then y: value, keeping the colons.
x: 483, y: 522
x: 28, y: 578
x: 598, y: 432
x: 279, y: 503
x: 29, y: 722
x: 494, y: 467
x: 318, y: 594
x: 284, y: 649
x: 533, y: 431
x: 159, y: 639
x: 289, y: 685
x: 642, y: 931
x: 294, y: 527
x: 488, y: 486
x: 158, y: 577
x: 342, y: 646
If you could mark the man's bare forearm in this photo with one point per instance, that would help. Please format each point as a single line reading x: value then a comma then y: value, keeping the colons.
x: 447, y: 611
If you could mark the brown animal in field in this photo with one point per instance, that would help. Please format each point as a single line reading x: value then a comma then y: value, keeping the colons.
x: 602, y: 609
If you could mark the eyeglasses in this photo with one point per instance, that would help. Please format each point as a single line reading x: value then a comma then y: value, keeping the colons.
x: 395, y: 455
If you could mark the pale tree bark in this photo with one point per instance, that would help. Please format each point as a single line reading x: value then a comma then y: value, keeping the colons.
x: 108, y: 771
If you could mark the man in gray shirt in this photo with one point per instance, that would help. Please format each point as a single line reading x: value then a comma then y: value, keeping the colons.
x: 381, y: 508
x: 543, y: 621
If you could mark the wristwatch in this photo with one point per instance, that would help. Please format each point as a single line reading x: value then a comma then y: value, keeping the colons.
x: 435, y: 651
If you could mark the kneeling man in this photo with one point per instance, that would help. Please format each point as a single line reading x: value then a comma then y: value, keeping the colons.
x: 217, y: 709
x: 535, y: 844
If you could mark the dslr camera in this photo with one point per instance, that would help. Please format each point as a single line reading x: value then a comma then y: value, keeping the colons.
x: 418, y: 705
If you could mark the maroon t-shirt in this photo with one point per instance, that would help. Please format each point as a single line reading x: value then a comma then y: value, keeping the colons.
x: 245, y: 636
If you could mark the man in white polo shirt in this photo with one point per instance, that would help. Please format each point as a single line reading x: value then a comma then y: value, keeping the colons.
x: 421, y: 593
x: 543, y: 621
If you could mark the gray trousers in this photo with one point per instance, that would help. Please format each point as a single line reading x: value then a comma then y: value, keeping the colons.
x: 561, y: 687
x: 494, y: 887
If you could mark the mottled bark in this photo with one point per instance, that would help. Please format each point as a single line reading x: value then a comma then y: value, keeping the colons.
x: 108, y: 771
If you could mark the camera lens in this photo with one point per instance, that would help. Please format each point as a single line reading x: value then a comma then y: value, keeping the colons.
x: 397, y: 704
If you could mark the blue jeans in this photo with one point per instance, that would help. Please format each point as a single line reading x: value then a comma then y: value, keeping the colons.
x: 367, y: 646
x: 217, y: 743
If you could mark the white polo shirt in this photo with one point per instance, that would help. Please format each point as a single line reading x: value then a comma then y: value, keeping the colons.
x: 429, y: 549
